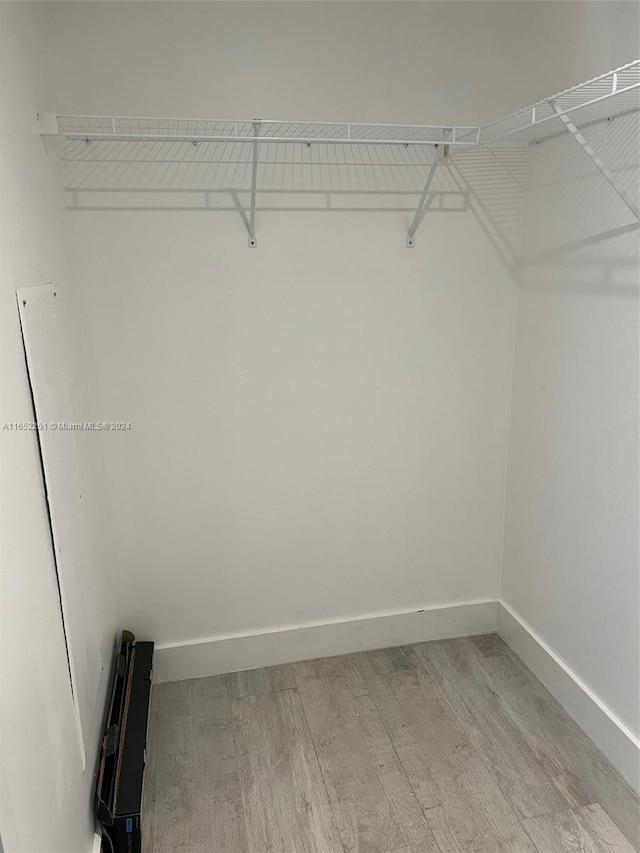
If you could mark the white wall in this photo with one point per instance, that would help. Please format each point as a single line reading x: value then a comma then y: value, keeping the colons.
x: 571, y: 544
x: 45, y: 799
x: 319, y: 426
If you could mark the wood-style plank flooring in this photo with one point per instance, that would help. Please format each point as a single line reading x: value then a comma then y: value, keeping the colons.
x: 444, y: 747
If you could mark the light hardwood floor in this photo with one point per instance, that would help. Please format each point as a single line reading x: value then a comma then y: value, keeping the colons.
x: 443, y: 747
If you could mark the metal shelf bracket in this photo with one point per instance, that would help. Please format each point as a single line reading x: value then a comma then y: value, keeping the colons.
x: 253, y: 243
x: 597, y: 161
x: 425, y: 200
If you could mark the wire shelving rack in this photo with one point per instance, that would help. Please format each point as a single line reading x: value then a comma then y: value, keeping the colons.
x: 111, y: 153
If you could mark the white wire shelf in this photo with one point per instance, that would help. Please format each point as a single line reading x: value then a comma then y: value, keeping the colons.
x: 131, y: 155
x: 608, y: 95
x: 612, y: 94
x: 132, y: 129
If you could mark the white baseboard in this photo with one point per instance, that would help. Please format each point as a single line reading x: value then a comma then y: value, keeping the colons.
x: 216, y: 655
x: 609, y: 733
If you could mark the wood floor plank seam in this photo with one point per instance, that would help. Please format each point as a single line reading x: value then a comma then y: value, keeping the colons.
x: 465, y: 829
x: 343, y: 849
x: 399, y: 757
x: 552, y: 769
x: 149, y: 798
x: 481, y: 756
x: 197, y: 786
x: 510, y: 760
x: 588, y: 775
x: 629, y: 826
x: 253, y: 682
x: 278, y: 771
x: 536, y: 814
x: 587, y: 829
x: 364, y: 784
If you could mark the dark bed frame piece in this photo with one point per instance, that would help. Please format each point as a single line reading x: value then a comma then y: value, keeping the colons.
x: 123, y: 755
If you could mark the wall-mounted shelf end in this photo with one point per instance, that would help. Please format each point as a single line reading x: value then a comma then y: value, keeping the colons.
x: 48, y: 123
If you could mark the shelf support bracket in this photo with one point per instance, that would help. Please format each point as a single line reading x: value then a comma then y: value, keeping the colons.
x: 253, y: 243
x: 588, y: 150
x: 424, y: 202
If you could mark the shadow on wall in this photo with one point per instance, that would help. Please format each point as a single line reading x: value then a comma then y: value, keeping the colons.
x: 494, y: 180
x: 216, y: 177
x: 578, y: 234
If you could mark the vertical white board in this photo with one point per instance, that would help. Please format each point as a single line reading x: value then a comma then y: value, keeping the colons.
x: 59, y: 450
